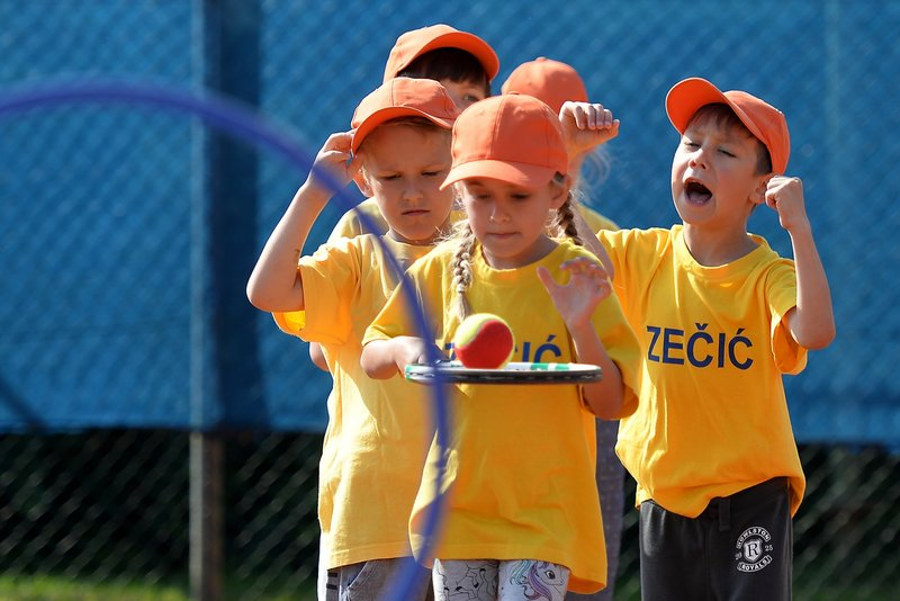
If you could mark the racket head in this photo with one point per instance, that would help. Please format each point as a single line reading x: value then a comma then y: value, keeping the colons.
x: 522, y: 372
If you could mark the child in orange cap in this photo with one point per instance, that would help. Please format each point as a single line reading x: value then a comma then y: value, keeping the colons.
x: 377, y: 433
x: 522, y: 512
x: 465, y: 65
x: 720, y: 317
x: 557, y: 84
x: 461, y: 61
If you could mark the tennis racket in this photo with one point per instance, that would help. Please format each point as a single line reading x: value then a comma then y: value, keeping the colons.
x: 525, y: 372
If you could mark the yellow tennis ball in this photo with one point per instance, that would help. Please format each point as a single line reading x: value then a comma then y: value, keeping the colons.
x: 484, y: 341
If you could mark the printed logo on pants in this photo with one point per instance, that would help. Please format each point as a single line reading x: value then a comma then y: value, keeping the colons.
x: 753, y: 549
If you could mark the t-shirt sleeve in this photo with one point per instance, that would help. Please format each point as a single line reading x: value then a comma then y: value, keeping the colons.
x: 781, y: 292
x: 396, y: 318
x: 330, y: 277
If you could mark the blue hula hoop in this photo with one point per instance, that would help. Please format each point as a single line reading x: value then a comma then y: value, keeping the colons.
x: 246, y: 124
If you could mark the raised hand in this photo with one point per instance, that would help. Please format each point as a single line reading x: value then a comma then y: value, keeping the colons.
x: 335, y: 158
x: 785, y: 195
x: 586, y: 125
x: 576, y: 300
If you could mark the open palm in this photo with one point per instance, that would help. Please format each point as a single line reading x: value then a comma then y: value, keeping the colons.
x: 576, y: 300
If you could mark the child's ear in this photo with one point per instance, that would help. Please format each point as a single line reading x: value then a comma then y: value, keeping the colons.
x: 560, y: 192
x: 363, y: 183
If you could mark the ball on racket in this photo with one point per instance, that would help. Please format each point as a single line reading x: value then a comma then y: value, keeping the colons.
x: 484, y: 341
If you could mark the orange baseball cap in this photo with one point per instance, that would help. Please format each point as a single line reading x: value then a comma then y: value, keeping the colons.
x: 415, y: 43
x: 402, y: 97
x: 552, y: 81
x: 763, y: 120
x: 512, y: 137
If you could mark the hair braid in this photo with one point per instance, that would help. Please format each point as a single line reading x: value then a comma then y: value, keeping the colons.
x: 462, y: 269
x: 565, y: 219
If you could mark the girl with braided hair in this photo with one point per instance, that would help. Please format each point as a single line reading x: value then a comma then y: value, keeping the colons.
x: 522, y: 511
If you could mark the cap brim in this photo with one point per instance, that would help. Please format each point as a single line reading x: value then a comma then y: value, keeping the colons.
x: 688, y: 96
x: 518, y: 174
x: 472, y: 44
x: 387, y: 114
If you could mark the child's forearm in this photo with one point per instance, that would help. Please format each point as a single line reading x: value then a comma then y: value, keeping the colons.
x: 377, y: 359
x: 592, y: 243
x: 606, y: 396
x: 274, y: 284
x: 812, y: 324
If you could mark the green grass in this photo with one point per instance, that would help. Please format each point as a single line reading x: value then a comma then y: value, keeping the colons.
x: 58, y: 588
x: 42, y: 587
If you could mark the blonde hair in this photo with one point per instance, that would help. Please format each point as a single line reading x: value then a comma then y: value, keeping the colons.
x: 563, y: 224
x: 595, y: 170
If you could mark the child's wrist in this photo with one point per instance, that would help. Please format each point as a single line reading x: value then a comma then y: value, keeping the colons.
x: 581, y: 330
x: 801, y: 228
x: 313, y: 191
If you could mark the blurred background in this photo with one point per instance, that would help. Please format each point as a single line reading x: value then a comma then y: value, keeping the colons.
x: 138, y: 388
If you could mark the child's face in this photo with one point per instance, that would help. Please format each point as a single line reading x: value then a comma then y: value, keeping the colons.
x: 510, y: 221
x: 714, y: 179
x: 463, y: 93
x: 404, y: 167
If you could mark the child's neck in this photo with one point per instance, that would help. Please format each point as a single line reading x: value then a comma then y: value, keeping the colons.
x: 714, y: 248
x: 542, y: 247
x: 439, y: 234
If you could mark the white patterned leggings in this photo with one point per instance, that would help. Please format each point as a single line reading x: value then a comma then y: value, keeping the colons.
x: 493, y: 580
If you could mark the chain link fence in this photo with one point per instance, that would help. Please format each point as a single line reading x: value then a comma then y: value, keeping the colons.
x: 115, y: 220
x: 112, y: 505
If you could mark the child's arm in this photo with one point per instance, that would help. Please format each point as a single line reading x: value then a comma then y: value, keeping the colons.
x: 811, y: 322
x: 317, y: 356
x: 576, y: 301
x: 382, y: 359
x: 592, y: 242
x: 585, y: 125
x: 274, y: 285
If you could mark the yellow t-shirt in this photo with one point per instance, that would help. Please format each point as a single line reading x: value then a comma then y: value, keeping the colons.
x: 378, y: 430
x: 350, y: 224
x: 712, y: 418
x: 520, y: 475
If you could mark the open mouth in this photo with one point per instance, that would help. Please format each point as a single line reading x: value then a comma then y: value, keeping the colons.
x: 696, y: 192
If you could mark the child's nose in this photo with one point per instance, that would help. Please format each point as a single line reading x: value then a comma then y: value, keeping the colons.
x: 412, y: 190
x: 698, y: 158
x: 498, y: 213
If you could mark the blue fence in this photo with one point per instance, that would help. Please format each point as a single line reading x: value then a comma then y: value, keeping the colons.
x: 115, y: 220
